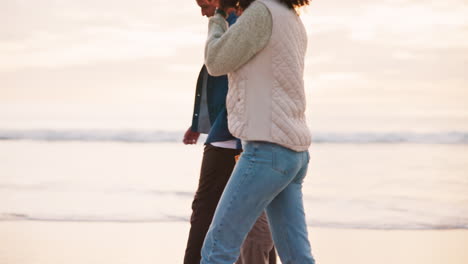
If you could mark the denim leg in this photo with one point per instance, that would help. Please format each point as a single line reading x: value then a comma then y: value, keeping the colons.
x: 250, y: 189
x: 288, y: 225
x: 263, y: 172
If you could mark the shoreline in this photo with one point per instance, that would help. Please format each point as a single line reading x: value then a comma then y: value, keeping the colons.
x: 33, y: 220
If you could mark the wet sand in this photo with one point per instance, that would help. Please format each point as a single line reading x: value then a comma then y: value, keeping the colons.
x: 36, y: 242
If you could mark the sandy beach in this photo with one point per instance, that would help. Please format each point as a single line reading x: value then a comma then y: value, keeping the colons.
x: 31, y: 242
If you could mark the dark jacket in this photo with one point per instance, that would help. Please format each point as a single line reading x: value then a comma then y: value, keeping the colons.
x: 209, y: 113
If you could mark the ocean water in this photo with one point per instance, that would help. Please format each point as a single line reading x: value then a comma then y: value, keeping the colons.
x: 150, y: 136
x: 355, y: 180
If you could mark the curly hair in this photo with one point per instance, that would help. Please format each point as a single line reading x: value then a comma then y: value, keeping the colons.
x: 292, y: 4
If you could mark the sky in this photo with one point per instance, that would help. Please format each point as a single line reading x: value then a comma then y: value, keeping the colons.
x: 370, y: 65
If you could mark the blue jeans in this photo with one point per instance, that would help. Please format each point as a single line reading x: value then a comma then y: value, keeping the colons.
x: 267, y: 177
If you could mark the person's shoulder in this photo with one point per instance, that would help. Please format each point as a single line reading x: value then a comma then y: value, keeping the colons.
x: 257, y: 12
x: 258, y: 8
x: 258, y: 15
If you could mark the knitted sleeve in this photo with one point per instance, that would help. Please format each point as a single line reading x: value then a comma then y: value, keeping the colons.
x: 228, y: 49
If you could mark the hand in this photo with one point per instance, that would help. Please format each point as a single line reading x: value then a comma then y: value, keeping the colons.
x: 191, y: 137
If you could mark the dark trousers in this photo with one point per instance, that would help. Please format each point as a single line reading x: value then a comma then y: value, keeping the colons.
x: 217, y: 166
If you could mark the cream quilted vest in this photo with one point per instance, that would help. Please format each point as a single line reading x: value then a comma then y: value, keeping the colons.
x: 266, y: 98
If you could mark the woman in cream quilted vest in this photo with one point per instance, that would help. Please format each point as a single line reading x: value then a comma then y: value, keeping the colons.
x: 263, y: 55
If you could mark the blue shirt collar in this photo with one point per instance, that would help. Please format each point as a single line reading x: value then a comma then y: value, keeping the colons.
x: 232, y: 18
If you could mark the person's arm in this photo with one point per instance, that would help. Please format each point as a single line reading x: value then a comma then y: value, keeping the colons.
x: 228, y: 49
